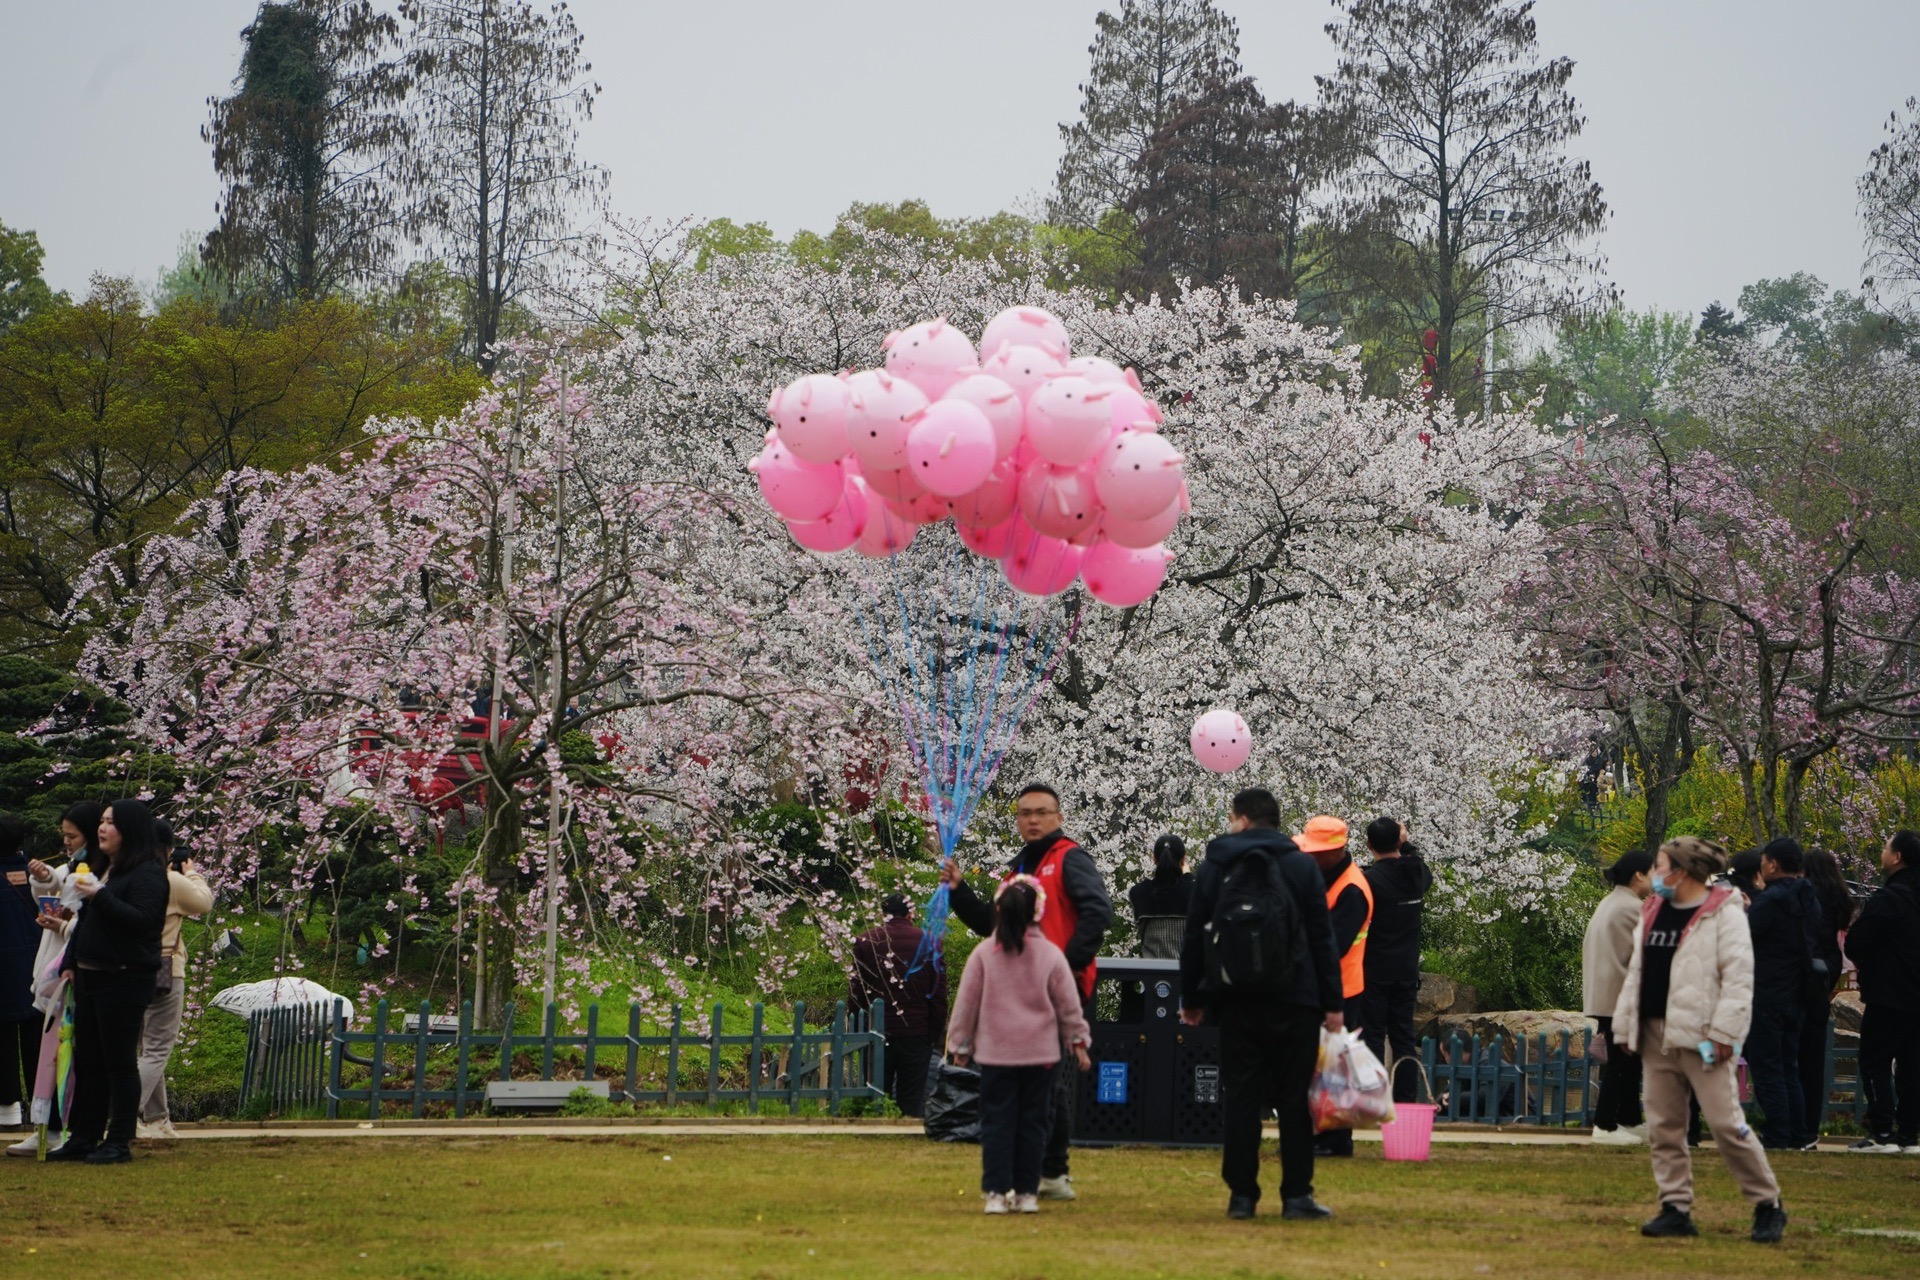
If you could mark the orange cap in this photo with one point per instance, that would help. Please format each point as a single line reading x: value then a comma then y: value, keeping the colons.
x: 1322, y: 833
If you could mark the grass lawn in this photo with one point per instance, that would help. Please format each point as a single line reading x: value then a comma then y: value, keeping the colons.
x: 593, y: 1206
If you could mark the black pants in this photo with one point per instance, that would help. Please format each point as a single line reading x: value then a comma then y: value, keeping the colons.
x: 907, y: 1073
x: 1267, y: 1056
x: 1060, y: 1136
x: 109, y: 1014
x: 1813, y: 1071
x: 1890, y: 1050
x: 1619, y: 1100
x: 1386, y: 1012
x: 19, y: 1058
x: 1773, y: 1062
x: 1016, y: 1111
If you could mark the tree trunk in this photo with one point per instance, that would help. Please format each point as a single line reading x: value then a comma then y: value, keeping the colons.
x: 500, y: 871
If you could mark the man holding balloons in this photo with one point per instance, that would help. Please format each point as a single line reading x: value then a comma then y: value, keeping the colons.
x: 1077, y: 914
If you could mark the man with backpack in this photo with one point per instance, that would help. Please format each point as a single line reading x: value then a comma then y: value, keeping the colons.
x: 1258, y: 957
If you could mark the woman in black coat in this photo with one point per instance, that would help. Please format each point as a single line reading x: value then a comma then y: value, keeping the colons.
x: 113, y: 956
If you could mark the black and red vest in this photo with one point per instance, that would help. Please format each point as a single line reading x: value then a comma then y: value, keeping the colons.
x: 1062, y: 915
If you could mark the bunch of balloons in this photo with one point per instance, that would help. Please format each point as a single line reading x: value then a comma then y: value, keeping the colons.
x: 1047, y: 462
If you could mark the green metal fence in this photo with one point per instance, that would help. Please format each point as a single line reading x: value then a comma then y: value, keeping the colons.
x: 306, y: 1056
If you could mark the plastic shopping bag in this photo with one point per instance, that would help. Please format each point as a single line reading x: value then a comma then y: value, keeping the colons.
x: 1351, y: 1089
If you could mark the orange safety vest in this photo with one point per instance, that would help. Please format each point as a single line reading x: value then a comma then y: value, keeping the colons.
x: 1062, y: 916
x: 1353, y: 965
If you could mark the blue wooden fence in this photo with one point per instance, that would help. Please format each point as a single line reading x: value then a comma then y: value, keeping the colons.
x: 305, y: 1056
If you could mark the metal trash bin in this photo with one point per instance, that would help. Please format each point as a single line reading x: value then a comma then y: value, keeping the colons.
x: 1153, y: 1081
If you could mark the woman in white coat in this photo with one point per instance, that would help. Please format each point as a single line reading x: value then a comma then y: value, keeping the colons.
x: 1685, y: 1008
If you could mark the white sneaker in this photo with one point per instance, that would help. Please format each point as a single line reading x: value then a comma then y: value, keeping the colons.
x: 29, y: 1147
x: 1875, y: 1147
x: 1639, y: 1131
x: 1621, y: 1137
x: 9, y: 1115
x: 1913, y: 1150
x: 1026, y: 1204
x: 154, y: 1129
x: 1060, y: 1188
x: 997, y: 1202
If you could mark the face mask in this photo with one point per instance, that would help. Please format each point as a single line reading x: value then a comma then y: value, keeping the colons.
x: 1661, y: 887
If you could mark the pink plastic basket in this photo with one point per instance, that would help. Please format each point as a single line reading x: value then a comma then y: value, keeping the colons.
x: 1409, y: 1135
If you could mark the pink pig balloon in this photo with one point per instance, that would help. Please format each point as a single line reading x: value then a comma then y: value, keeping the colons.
x: 992, y: 502
x: 1068, y: 420
x: 1131, y: 411
x: 1037, y: 565
x: 794, y: 489
x: 950, y: 448
x: 811, y: 416
x: 1221, y: 741
x: 991, y: 541
x: 878, y: 406
x: 1060, y: 503
x: 842, y: 527
x: 1141, y: 534
x: 1027, y: 327
x: 899, y: 486
x: 1123, y: 577
x: 1025, y: 369
x: 1138, y: 475
x: 928, y: 508
x: 886, y: 534
x: 1098, y: 369
x: 930, y: 355
x: 1001, y: 404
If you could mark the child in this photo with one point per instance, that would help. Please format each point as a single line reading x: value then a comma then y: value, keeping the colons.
x: 1017, y: 1002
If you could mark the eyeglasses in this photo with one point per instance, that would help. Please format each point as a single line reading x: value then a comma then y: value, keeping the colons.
x: 1034, y: 813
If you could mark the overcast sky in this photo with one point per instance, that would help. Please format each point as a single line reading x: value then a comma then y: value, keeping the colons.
x: 1728, y: 134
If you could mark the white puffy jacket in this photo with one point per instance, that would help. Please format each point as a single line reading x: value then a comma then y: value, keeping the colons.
x: 1710, y: 996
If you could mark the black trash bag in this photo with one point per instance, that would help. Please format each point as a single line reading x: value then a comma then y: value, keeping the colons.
x: 953, y: 1101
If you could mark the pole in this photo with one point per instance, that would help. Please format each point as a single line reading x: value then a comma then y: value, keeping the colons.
x: 503, y: 587
x: 558, y: 655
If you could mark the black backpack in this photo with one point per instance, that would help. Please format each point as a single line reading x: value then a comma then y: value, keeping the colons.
x: 1256, y: 937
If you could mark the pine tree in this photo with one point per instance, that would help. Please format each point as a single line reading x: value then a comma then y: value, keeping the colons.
x: 1146, y: 57
x: 1201, y: 205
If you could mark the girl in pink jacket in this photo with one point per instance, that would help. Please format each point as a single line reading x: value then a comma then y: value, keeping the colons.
x: 1017, y: 1004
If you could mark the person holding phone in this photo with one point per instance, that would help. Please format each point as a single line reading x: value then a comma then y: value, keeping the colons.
x: 1685, y: 1007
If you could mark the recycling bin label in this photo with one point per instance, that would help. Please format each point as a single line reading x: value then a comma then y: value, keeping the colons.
x: 1112, y: 1085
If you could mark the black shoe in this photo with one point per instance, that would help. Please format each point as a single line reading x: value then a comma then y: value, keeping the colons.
x: 1672, y: 1221
x: 1769, y: 1223
x: 1240, y: 1206
x: 74, y: 1151
x: 1299, y: 1207
x: 110, y: 1153
x: 1327, y: 1151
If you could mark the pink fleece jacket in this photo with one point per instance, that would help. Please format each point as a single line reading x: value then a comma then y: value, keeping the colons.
x: 1014, y: 1009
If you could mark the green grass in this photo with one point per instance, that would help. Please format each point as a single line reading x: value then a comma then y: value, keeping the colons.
x: 767, y: 1207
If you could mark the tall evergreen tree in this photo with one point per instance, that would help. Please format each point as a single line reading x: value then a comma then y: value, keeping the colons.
x: 1459, y: 124
x: 309, y: 148
x: 1145, y: 58
x: 1201, y: 208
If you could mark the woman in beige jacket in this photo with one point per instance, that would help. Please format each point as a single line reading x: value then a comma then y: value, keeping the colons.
x: 1605, y: 955
x: 1685, y: 1008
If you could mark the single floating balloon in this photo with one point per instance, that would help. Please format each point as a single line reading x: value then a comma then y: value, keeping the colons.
x: 842, y: 527
x: 1027, y: 327
x: 1068, y: 420
x: 1138, y: 475
x: 931, y: 355
x: 878, y: 406
x: 1221, y: 741
x: 796, y: 490
x: 950, y: 448
x: 1025, y: 369
x: 1121, y: 576
x: 811, y: 416
x: 1001, y: 405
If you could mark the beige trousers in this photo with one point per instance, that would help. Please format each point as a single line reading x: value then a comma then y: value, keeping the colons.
x: 156, y: 1046
x: 1669, y: 1077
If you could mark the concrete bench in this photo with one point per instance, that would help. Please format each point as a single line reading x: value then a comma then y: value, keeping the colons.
x: 539, y: 1095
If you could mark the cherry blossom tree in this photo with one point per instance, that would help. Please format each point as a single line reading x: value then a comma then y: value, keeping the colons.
x: 487, y: 596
